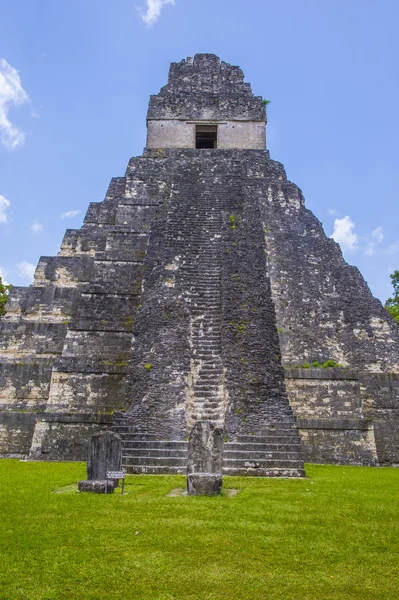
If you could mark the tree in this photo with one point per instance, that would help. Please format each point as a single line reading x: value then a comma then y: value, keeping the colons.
x: 4, y: 291
x: 392, y: 304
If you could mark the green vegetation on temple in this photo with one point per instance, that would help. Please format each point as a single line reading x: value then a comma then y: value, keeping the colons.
x: 4, y: 290
x: 392, y: 304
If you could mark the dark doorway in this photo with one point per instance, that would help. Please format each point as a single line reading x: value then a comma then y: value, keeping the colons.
x: 206, y: 136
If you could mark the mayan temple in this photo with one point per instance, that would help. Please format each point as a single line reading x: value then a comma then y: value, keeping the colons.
x: 201, y: 288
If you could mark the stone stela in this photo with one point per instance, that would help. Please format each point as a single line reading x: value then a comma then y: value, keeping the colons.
x: 201, y: 289
x: 205, y: 460
x: 104, y: 458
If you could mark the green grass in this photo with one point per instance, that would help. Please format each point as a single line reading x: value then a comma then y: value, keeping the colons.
x: 332, y: 536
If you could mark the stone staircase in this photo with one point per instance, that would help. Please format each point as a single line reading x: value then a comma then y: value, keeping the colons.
x: 275, y: 453
x: 200, y: 280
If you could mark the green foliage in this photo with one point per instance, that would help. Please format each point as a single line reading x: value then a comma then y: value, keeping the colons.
x: 392, y: 304
x: 4, y: 291
x: 128, y: 323
x: 232, y: 221
x: 333, y: 535
x: 239, y: 326
x: 148, y: 366
x: 329, y: 364
x: 266, y: 102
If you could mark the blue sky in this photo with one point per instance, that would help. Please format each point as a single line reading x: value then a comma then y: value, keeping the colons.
x: 75, y: 79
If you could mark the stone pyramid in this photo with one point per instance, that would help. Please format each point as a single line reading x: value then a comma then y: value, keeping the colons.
x: 201, y: 288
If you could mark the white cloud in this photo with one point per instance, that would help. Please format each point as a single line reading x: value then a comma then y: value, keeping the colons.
x: 11, y: 94
x: 378, y: 234
x: 3, y: 275
x: 36, y: 227
x: 377, y: 237
x: 70, y: 214
x: 26, y: 269
x: 333, y: 212
x: 153, y: 10
x: 343, y: 233
x: 4, y: 207
x: 393, y: 248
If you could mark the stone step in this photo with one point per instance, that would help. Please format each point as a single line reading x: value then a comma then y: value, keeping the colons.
x: 252, y: 455
x: 202, y: 278
x: 203, y: 347
x: 257, y: 439
x: 196, y: 337
x: 162, y: 461
x: 281, y: 438
x: 244, y: 463
x: 265, y: 471
x: 194, y: 270
x: 133, y: 469
x: 131, y: 430
x: 227, y: 471
x: 216, y: 419
x: 210, y: 292
x: 132, y: 452
x: 293, y: 446
x: 210, y: 385
x: 206, y: 350
x: 206, y: 387
x: 129, y: 442
x: 218, y: 422
x: 208, y: 297
x: 204, y: 305
x: 206, y: 393
x: 203, y: 309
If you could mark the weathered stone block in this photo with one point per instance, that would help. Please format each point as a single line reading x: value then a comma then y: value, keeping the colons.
x: 106, y: 312
x: 204, y: 484
x: 104, y: 453
x: 64, y: 437
x: 16, y: 430
x: 63, y: 271
x: 105, y: 486
x: 101, y: 213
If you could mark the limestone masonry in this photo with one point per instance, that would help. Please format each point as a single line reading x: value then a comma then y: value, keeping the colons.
x: 191, y: 293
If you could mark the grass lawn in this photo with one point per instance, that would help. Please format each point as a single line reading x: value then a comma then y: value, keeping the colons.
x: 334, y: 535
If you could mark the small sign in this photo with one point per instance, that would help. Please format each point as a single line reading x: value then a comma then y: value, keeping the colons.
x: 115, y: 474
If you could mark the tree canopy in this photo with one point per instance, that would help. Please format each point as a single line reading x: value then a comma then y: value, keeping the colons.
x: 4, y: 290
x: 392, y: 304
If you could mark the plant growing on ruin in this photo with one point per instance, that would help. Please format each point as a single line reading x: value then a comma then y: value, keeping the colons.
x: 266, y: 102
x: 331, y: 364
x: 4, y: 291
x: 392, y: 304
